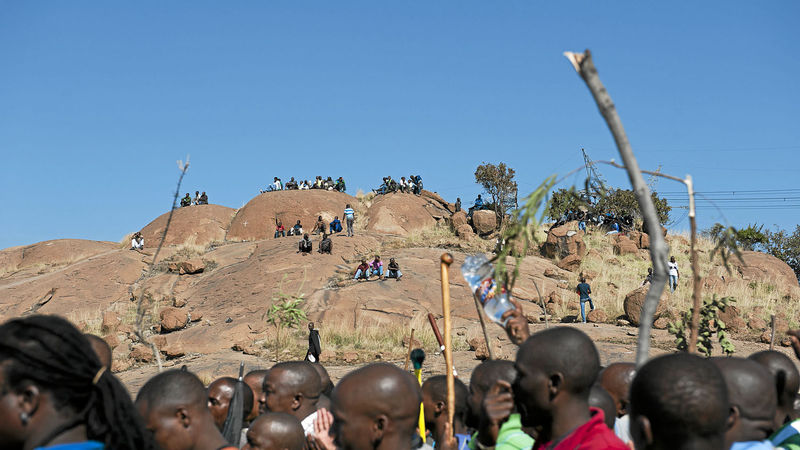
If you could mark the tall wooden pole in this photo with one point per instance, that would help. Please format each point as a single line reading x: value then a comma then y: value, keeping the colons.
x: 447, y: 259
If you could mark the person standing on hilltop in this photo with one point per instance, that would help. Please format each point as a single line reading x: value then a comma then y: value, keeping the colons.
x: 458, y: 205
x: 583, y: 289
x: 673, y: 274
x: 314, y: 346
x: 349, y: 217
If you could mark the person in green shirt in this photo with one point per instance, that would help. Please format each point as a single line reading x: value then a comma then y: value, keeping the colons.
x: 502, y: 431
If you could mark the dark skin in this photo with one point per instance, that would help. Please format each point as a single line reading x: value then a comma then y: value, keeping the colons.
x: 275, y: 431
x: 488, y: 415
x: 181, y: 426
x: 787, y: 382
x: 752, y: 398
x: 44, y: 418
x: 375, y: 407
x: 220, y: 393
x: 279, y: 396
x: 616, y: 380
x: 436, y: 416
x: 255, y: 380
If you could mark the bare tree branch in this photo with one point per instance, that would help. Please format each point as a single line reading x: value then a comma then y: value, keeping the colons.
x: 658, y: 248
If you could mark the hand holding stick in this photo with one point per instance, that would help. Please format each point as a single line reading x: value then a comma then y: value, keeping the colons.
x: 447, y: 259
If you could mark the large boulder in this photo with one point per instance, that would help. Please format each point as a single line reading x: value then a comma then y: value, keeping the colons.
x: 640, y: 239
x: 458, y: 219
x: 484, y: 221
x: 173, y: 319
x: 634, y: 301
x: 625, y: 246
x: 563, y: 241
x: 53, y: 253
x: 256, y: 219
x: 761, y: 267
x: 465, y: 231
x: 199, y: 224
x: 399, y: 213
x: 570, y: 263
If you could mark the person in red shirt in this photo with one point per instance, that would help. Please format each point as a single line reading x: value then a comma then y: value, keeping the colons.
x: 556, y: 370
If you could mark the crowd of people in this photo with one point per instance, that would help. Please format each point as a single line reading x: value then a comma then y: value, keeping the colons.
x: 410, y: 185
x: 322, y: 228
x: 57, y: 392
x: 365, y: 270
x: 327, y: 184
x: 199, y: 199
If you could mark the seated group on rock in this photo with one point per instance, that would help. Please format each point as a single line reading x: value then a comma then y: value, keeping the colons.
x: 58, y: 392
x: 325, y: 245
x: 327, y: 184
x: 199, y: 199
x: 366, y: 270
x: 412, y: 185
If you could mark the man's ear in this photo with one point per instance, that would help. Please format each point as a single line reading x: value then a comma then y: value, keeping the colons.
x: 439, y: 408
x: 554, y: 384
x: 297, y: 401
x: 641, y: 432
x: 379, y: 426
x: 183, y: 417
x: 733, y: 417
x: 28, y: 399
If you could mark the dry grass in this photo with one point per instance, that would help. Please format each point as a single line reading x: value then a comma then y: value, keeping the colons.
x: 440, y: 236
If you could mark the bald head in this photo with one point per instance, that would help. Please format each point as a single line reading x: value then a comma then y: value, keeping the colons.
x: 678, y: 401
x: 173, y: 388
x: 255, y: 379
x: 325, y: 378
x: 220, y: 395
x: 786, y: 379
x: 564, y: 350
x: 601, y: 399
x: 752, y: 397
x: 292, y: 387
x: 376, y: 406
x: 101, y: 349
x: 275, y: 431
x: 616, y: 379
x: 485, y: 375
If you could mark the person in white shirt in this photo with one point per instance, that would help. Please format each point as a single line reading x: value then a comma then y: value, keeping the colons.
x: 293, y: 387
x: 137, y: 241
x: 673, y: 274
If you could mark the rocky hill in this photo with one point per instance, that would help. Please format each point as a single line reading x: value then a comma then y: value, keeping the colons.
x: 221, y: 271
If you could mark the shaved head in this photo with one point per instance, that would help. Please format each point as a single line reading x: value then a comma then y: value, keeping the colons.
x: 601, y: 399
x: 752, y: 397
x: 255, y: 379
x: 292, y: 387
x: 173, y: 388
x: 484, y: 377
x: 325, y: 379
x: 376, y: 406
x: 564, y: 356
x: 220, y: 394
x: 101, y: 349
x: 616, y: 379
x: 786, y: 379
x: 275, y: 431
x: 678, y: 401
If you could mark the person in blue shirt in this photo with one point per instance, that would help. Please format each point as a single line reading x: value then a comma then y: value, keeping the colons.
x: 56, y: 394
x: 434, y: 402
x: 583, y: 289
x: 336, y: 225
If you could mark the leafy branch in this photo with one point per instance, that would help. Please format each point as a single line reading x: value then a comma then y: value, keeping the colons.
x: 710, y: 324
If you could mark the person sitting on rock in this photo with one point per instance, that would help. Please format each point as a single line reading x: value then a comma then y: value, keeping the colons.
x: 305, y: 245
x: 186, y: 201
x: 417, y: 184
x: 304, y: 186
x: 336, y: 225
x: 393, y: 186
x: 317, y: 183
x: 137, y: 241
x: 291, y: 184
x: 477, y: 206
x: 196, y: 200
x: 362, y: 271
x: 649, y: 277
x: 275, y: 431
x: 405, y: 186
x: 296, y: 230
x: 340, y: 186
x: 376, y: 267
x: 325, y: 245
x: 203, y: 198
x: 328, y: 184
x: 393, y: 270
x: 319, y: 226
x: 279, y: 229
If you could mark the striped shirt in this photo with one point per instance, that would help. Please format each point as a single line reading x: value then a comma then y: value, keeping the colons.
x: 349, y: 213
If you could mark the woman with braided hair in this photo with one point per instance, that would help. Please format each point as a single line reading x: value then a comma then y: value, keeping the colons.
x: 55, y: 394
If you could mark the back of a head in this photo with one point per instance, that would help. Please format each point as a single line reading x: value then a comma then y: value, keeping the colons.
x: 101, y: 349
x: 489, y: 372
x: 50, y: 353
x: 601, y: 399
x: 616, y: 379
x: 750, y: 390
x: 436, y: 387
x: 786, y: 378
x: 565, y: 350
x: 300, y: 376
x: 173, y: 388
x: 247, y: 393
x: 380, y: 389
x: 683, y: 398
x: 276, y: 431
x: 325, y: 379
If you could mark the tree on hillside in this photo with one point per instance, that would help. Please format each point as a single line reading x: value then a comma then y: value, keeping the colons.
x: 786, y: 247
x: 498, y: 182
x: 618, y: 202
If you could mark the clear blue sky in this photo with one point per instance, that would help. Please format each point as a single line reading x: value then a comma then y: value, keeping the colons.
x: 99, y: 99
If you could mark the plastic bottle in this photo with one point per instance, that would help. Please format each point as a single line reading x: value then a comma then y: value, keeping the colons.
x: 478, y: 273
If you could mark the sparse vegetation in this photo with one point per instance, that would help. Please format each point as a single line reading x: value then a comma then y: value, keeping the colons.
x: 498, y: 181
x: 710, y: 324
x: 286, y: 311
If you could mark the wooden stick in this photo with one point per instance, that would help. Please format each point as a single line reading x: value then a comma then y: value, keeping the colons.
x: 408, y: 355
x: 447, y: 259
x: 772, y: 335
x: 583, y: 64
x: 483, y: 327
x: 438, y: 334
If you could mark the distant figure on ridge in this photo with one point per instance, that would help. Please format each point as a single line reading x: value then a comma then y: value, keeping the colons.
x: 340, y: 186
x: 673, y: 274
x: 314, y: 347
x: 583, y: 289
x: 203, y: 199
x: 196, y: 200
x: 458, y: 205
x: 336, y: 225
x: 137, y: 241
x: 305, y: 245
x: 186, y: 201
